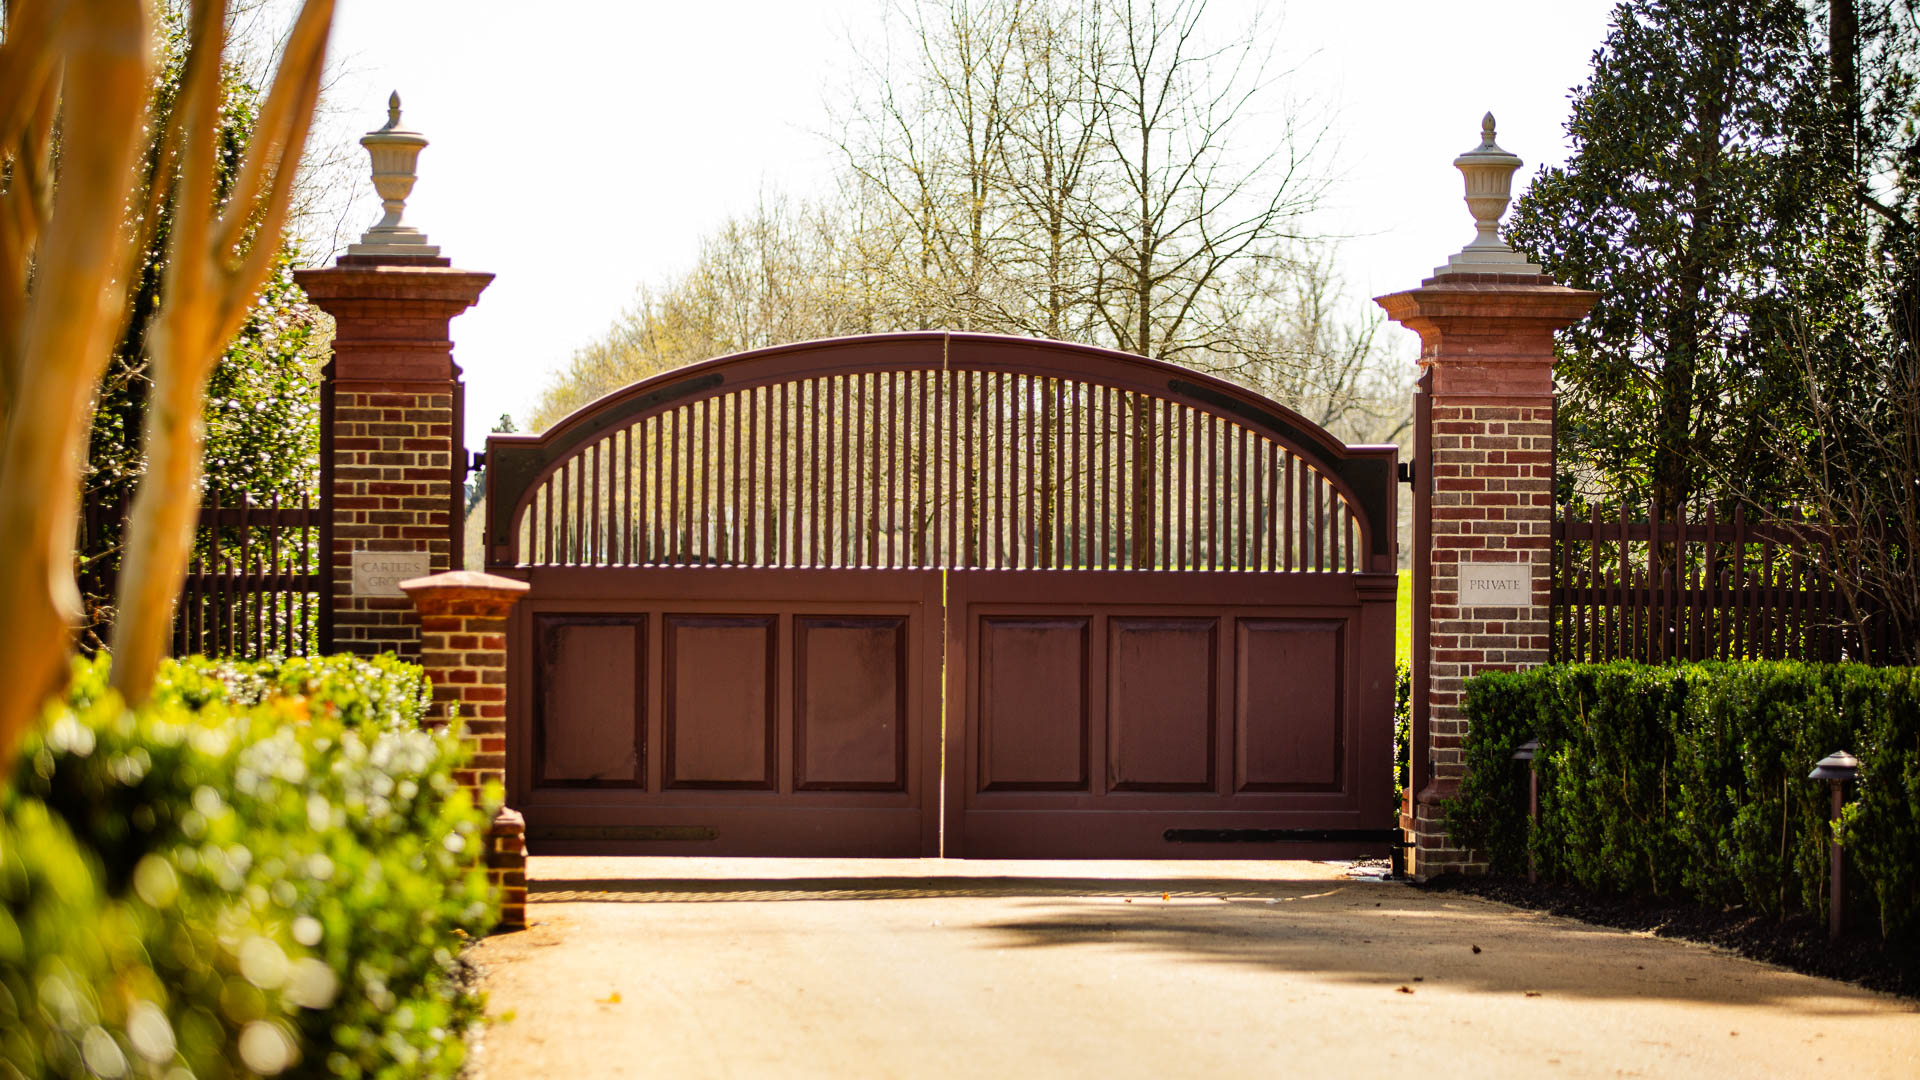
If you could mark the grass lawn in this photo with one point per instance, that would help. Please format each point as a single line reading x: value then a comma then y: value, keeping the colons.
x: 1403, y: 620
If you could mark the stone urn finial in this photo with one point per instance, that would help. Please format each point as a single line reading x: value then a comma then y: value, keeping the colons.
x: 395, y: 151
x: 1489, y: 175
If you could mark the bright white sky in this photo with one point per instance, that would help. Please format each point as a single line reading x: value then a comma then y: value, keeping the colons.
x: 582, y: 151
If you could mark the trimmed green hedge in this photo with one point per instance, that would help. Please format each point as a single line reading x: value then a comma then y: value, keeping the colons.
x: 1691, y: 780
x: 267, y: 870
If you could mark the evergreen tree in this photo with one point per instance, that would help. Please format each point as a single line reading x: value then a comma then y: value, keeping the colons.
x: 1697, y: 204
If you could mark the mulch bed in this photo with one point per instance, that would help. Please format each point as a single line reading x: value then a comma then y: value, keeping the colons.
x: 1799, y: 942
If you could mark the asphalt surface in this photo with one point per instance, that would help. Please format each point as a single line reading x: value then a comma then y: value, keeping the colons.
x: 933, y: 968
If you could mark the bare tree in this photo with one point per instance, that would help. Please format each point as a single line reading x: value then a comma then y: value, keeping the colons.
x: 1177, y: 209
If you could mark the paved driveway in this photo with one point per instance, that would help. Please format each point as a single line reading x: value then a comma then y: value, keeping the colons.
x: 773, y: 968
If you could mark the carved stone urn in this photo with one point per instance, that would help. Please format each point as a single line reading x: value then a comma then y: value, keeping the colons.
x: 1489, y: 176
x: 395, y: 151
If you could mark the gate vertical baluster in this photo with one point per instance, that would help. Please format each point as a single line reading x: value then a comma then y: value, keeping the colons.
x: 1177, y: 456
x: 1216, y: 482
x: 749, y: 504
x: 992, y: 532
x: 779, y: 475
x: 812, y: 467
x: 844, y: 518
x: 1040, y: 498
x: 654, y: 489
x: 594, y: 535
x: 1322, y: 559
x: 740, y: 414
x: 1110, y: 481
x: 672, y: 467
x: 1269, y: 520
x: 706, y: 458
x: 887, y: 458
x: 1239, y: 528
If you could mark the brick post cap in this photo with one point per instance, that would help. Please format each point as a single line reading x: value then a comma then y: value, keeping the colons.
x: 447, y: 290
x: 476, y: 593
x: 1531, y: 299
x: 507, y: 822
x: 1488, y: 337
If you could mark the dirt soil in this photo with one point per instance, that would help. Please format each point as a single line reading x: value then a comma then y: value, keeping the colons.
x: 1798, y: 942
x: 774, y: 968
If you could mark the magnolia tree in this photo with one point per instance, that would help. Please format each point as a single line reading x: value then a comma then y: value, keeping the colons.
x: 82, y: 69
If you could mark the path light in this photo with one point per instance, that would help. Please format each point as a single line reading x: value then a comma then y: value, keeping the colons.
x: 1526, y: 753
x: 1489, y: 174
x: 395, y: 151
x: 1836, y: 769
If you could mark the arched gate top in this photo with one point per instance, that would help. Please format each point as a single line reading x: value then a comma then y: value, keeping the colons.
x: 1359, y: 477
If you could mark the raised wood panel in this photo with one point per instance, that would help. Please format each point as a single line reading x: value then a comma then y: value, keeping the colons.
x: 591, y: 730
x: 850, y: 702
x: 720, y: 717
x: 1287, y: 715
x: 1032, y: 717
x: 1161, y: 703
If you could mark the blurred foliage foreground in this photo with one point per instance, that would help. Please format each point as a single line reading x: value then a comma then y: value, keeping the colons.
x: 268, y: 870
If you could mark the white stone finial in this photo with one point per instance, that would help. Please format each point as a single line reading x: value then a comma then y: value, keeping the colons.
x: 395, y: 151
x: 1489, y: 175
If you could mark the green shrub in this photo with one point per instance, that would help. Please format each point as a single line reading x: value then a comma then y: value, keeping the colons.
x: 1692, y: 780
x: 295, y: 874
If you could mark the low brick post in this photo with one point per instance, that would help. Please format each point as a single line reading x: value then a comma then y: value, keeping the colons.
x: 463, y: 628
x: 393, y: 455
x: 1483, y: 478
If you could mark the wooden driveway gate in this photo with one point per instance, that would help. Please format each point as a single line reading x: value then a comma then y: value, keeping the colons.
x: 1162, y: 607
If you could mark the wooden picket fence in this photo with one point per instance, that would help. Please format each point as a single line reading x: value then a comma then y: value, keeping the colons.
x: 254, y: 587
x: 1713, y: 589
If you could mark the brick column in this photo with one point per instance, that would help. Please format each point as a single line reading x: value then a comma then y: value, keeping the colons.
x: 1483, y: 484
x: 463, y: 626
x: 1487, y: 342
x: 395, y: 455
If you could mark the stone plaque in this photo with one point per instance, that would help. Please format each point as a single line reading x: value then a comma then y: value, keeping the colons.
x: 1496, y: 585
x: 379, y: 573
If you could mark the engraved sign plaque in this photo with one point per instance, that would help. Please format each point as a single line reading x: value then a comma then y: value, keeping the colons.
x: 379, y: 573
x: 1495, y: 585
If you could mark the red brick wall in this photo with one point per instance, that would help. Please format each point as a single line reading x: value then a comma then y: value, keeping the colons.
x: 1488, y: 342
x: 463, y: 626
x: 1492, y: 503
x: 392, y: 491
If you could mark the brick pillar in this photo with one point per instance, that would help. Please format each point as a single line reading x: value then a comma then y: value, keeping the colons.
x: 463, y: 627
x: 395, y: 456
x: 1486, y: 343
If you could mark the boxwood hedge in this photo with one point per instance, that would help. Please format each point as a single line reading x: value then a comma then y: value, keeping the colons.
x: 267, y: 870
x: 1691, y: 780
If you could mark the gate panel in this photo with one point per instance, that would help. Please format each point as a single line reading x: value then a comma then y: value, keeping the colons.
x: 850, y: 726
x: 1161, y: 681
x: 592, y: 726
x: 764, y: 712
x: 1288, y: 735
x: 1033, y: 704
x: 1092, y: 722
x: 720, y: 723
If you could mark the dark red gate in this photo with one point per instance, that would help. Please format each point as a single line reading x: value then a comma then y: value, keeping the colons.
x: 1163, y: 607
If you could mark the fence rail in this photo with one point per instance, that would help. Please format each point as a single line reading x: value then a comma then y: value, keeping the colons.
x: 1657, y: 590
x: 253, y: 588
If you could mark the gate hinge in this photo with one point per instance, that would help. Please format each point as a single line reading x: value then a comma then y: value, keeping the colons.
x: 1405, y: 471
